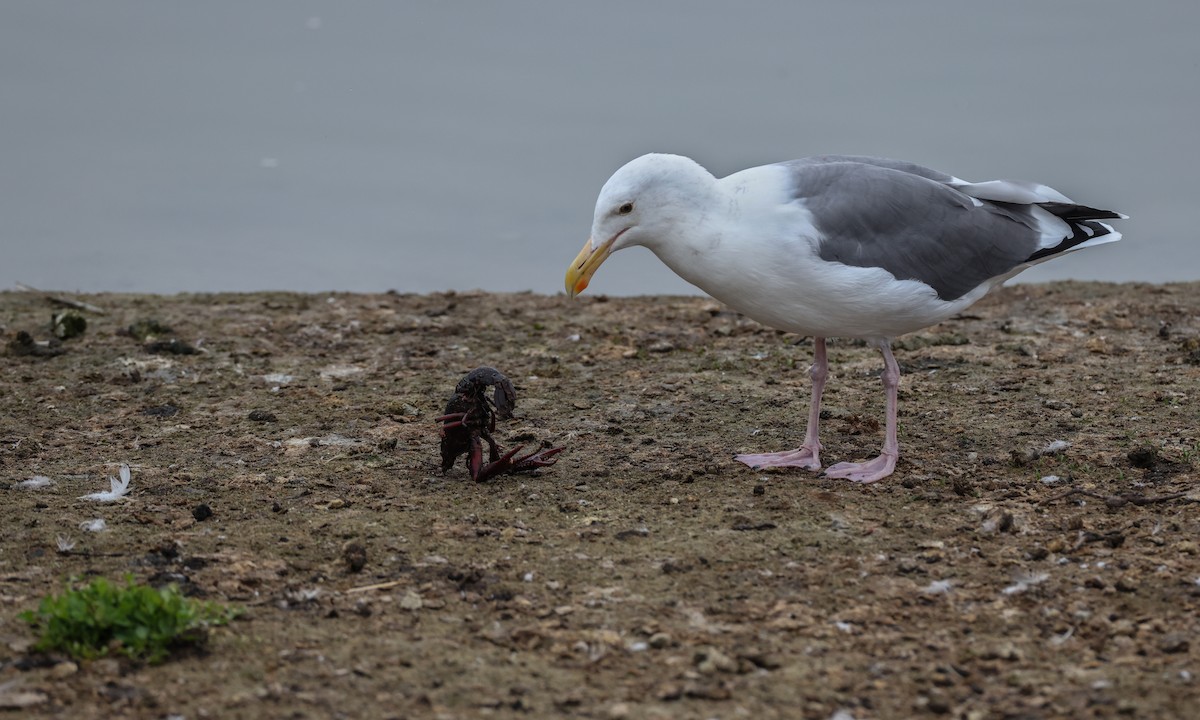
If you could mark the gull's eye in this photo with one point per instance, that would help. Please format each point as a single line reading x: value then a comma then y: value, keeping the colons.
x: 625, y: 209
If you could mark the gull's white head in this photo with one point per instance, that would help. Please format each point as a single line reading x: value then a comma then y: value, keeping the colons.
x: 641, y: 204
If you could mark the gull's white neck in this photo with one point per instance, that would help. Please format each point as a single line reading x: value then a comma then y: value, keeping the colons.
x: 708, y: 246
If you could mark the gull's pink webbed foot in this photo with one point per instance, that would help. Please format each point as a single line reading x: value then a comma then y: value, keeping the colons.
x: 802, y: 457
x: 864, y: 472
x: 808, y: 455
x: 885, y: 464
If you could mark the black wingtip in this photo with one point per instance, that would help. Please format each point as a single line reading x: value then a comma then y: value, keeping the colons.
x: 1071, y: 212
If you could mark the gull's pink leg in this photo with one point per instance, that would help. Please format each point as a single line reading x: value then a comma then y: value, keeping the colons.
x: 882, y: 466
x: 806, y: 456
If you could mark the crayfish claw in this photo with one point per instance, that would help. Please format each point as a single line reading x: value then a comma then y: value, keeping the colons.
x: 470, y: 419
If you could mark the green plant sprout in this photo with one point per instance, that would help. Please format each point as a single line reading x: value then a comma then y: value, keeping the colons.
x: 138, y: 621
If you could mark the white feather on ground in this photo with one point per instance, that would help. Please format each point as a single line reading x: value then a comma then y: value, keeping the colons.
x: 35, y: 482
x: 118, y: 488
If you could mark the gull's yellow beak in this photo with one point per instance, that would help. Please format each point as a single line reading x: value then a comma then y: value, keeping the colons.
x: 585, y: 264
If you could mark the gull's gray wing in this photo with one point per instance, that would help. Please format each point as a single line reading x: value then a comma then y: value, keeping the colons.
x: 918, y: 225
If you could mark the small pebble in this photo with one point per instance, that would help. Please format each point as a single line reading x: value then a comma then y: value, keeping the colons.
x: 619, y: 710
x: 174, y: 346
x: 202, y: 512
x: 355, y: 556
x: 710, y: 660
x: 162, y: 411
x: 1175, y: 643
x: 262, y: 416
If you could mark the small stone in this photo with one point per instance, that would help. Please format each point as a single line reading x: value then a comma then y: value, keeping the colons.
x: 147, y: 328
x: 21, y: 645
x: 1127, y: 584
x: 1004, y: 651
x: 662, y: 346
x: 938, y: 704
x: 64, y: 669
x: 355, y: 556
x: 710, y: 660
x: 705, y: 691
x: 660, y: 640
x: 1175, y: 643
x: 161, y: 411
x: 23, y: 344
x: 619, y: 710
x: 19, y: 700
x: 336, y: 503
x: 262, y: 416
x: 412, y: 601
x: 174, y: 346
x: 668, y: 692
x: 202, y: 512
x: 759, y: 490
x: 1021, y: 458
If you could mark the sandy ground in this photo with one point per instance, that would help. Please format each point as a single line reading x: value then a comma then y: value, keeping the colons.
x: 645, y: 574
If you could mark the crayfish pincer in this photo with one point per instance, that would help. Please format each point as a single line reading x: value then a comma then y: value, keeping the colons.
x: 470, y: 419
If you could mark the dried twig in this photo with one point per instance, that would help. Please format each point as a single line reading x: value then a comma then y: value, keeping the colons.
x: 377, y: 586
x: 1118, y: 501
x: 65, y: 301
x: 1113, y: 539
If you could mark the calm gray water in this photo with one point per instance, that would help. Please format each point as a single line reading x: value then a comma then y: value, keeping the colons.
x: 311, y: 145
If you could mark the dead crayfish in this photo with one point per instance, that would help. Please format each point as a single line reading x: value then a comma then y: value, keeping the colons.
x: 470, y: 419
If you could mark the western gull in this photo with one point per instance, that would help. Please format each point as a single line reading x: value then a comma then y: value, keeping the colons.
x: 835, y: 246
